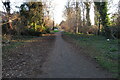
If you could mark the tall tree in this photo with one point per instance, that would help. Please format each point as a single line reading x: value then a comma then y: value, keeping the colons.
x: 9, y: 22
x: 78, y: 17
x: 83, y: 14
x: 67, y: 13
x: 119, y: 13
x: 32, y: 12
x: 88, y: 13
x: 97, y: 19
x: 102, y: 9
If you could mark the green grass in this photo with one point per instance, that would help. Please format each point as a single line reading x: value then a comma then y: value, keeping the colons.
x: 56, y: 31
x: 53, y: 31
x: 105, y: 52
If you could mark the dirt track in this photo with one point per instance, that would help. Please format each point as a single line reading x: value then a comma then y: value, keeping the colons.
x: 26, y: 61
x: 50, y: 58
x: 68, y: 62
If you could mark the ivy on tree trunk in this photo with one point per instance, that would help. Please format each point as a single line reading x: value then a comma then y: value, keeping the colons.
x: 102, y: 9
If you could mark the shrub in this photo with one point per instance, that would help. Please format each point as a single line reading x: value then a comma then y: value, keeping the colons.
x: 31, y: 32
x: 115, y: 31
x: 47, y: 30
x: 93, y: 30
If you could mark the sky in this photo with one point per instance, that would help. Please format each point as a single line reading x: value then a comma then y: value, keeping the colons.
x: 13, y: 4
x: 59, y: 6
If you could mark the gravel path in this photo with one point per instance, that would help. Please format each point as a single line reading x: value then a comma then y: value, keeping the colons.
x: 66, y: 62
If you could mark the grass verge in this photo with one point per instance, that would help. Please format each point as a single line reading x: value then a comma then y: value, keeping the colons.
x: 103, y: 51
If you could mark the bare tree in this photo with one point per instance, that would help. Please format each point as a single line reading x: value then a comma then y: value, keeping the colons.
x: 8, y: 8
x: 88, y: 13
x: 83, y: 13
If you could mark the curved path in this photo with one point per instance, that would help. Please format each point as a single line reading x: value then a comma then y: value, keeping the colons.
x: 65, y: 62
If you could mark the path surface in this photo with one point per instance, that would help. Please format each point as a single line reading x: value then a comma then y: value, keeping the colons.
x: 65, y: 62
x: 49, y: 57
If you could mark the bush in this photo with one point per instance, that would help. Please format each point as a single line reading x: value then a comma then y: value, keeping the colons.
x: 31, y: 32
x: 89, y: 29
x: 47, y: 30
x: 93, y: 29
x: 117, y: 32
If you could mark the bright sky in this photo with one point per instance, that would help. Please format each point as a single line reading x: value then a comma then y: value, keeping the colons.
x: 60, y: 5
x: 13, y: 4
x: 59, y: 8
